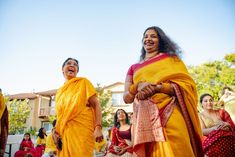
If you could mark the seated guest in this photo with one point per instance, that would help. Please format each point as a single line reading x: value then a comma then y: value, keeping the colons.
x: 218, y: 129
x: 121, y: 136
x: 26, y: 147
x: 51, y: 150
x: 41, y: 142
x: 227, y: 100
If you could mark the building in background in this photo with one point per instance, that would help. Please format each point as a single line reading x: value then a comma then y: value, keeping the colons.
x: 42, y: 104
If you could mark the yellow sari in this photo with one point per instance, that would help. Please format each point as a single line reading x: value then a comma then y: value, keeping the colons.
x: 179, y: 139
x: 2, y: 108
x: 75, y: 120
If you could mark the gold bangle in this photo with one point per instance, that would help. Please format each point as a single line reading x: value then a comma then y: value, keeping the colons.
x: 133, y: 89
x: 98, y: 125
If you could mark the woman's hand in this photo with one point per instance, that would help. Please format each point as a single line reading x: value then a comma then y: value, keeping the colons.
x: 98, y: 134
x: 122, y: 151
x: 145, y: 90
x: 117, y: 149
x: 224, y: 126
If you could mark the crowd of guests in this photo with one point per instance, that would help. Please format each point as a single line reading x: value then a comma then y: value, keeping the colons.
x: 165, y: 120
x: 45, y: 145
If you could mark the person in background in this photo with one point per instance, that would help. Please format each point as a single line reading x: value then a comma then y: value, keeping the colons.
x: 3, y: 124
x: 218, y: 129
x: 164, y: 97
x: 78, y: 114
x: 227, y: 100
x: 51, y: 150
x: 121, y: 144
x: 26, y: 147
x: 41, y: 142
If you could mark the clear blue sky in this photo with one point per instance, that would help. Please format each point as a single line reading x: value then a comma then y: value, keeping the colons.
x: 105, y: 36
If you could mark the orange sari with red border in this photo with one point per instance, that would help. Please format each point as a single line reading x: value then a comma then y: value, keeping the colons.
x: 182, y: 131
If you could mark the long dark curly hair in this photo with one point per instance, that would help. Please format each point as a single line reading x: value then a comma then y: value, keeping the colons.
x: 166, y: 45
x: 116, y: 122
x: 41, y: 134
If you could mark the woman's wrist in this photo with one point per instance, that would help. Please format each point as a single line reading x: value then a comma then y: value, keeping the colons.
x: 133, y: 89
x: 99, y: 126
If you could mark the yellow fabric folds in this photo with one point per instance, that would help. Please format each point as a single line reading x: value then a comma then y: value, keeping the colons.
x: 75, y: 121
x: 165, y: 70
x: 50, y: 145
x: 2, y: 108
x: 41, y: 141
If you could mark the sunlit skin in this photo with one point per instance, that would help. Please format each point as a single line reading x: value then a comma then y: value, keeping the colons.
x: 207, y: 104
x: 121, y: 116
x: 26, y: 137
x: 70, y: 69
x: 150, y: 43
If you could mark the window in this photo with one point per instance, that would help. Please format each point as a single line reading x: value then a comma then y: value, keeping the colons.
x: 47, y: 125
x: 117, y: 99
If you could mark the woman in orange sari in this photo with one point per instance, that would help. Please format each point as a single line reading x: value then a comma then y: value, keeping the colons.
x: 165, y: 119
x: 78, y: 113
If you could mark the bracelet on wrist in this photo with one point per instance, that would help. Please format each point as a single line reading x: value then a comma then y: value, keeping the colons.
x: 133, y: 89
x: 98, y: 125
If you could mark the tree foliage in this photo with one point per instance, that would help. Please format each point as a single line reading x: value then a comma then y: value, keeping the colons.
x: 211, y: 77
x: 18, y: 113
x: 104, y: 99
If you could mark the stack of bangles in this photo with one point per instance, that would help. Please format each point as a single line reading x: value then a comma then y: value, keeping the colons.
x: 98, y: 125
x: 159, y: 88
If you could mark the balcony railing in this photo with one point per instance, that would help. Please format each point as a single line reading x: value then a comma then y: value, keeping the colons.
x: 44, y: 112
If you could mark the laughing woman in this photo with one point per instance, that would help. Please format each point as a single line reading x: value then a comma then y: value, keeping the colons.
x: 165, y: 120
x: 78, y: 113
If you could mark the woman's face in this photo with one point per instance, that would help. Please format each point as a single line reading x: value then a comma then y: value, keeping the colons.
x: 121, y: 115
x: 70, y: 69
x: 207, y: 102
x: 150, y: 41
x: 26, y: 137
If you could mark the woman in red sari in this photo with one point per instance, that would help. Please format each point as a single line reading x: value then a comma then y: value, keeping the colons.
x: 26, y: 147
x: 218, y: 129
x: 121, y: 136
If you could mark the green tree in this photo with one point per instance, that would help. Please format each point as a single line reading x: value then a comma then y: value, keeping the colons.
x: 104, y: 99
x: 18, y: 113
x: 211, y: 77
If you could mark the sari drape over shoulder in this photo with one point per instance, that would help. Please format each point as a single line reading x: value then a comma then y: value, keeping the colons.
x: 182, y: 131
x: 75, y: 120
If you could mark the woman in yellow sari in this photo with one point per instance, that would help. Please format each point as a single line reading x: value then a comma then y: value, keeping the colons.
x: 165, y: 119
x: 3, y: 124
x: 78, y: 114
